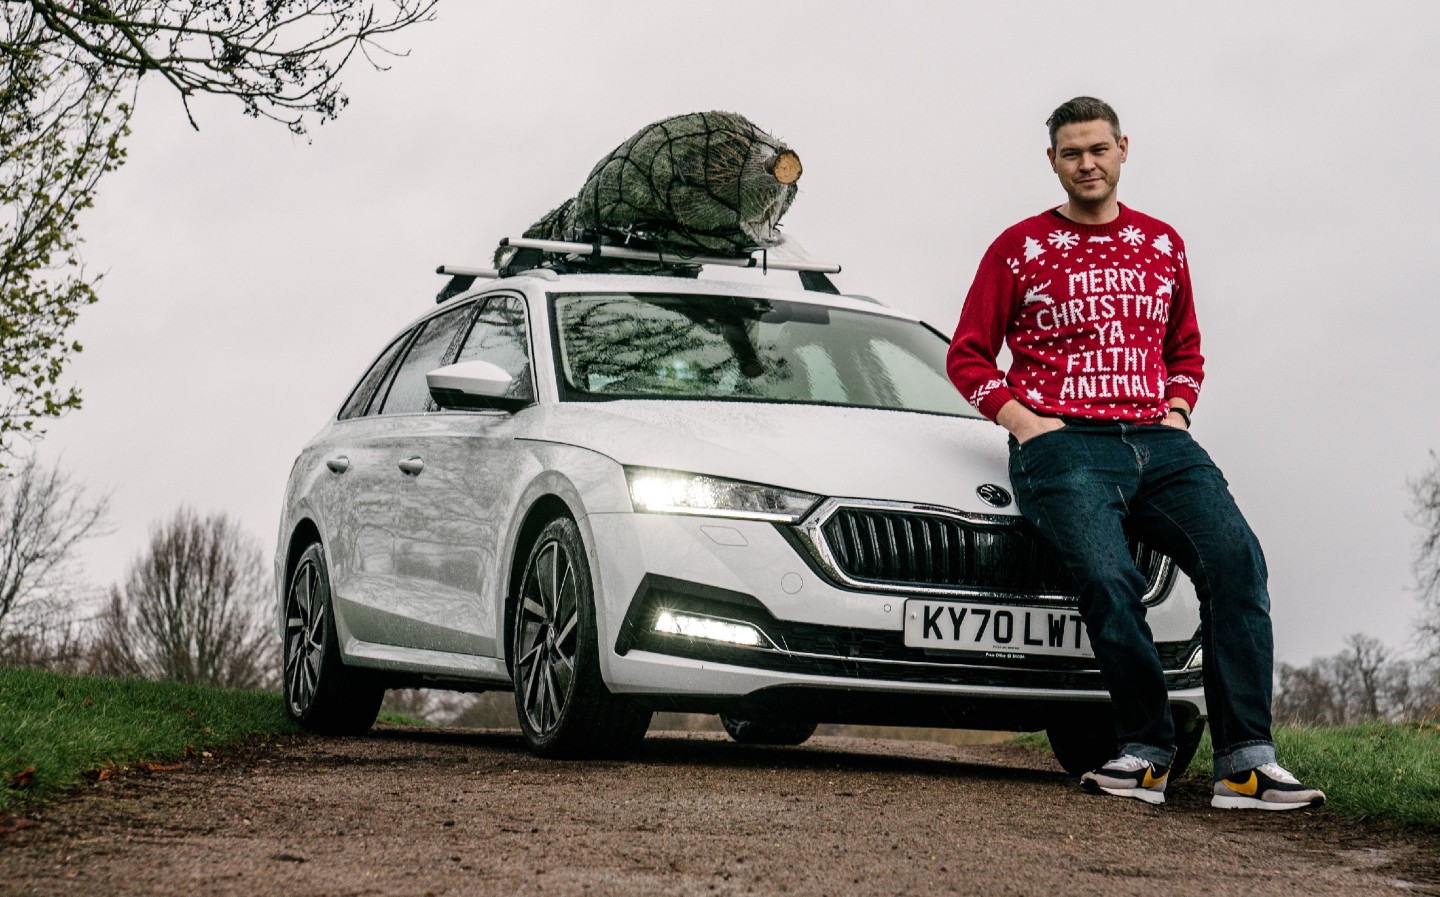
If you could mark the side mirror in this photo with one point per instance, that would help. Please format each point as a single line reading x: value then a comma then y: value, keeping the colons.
x: 473, y: 384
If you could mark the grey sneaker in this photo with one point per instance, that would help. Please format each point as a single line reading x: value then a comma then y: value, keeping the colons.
x: 1128, y: 776
x: 1266, y: 787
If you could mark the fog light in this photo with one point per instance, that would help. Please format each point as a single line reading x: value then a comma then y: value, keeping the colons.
x: 1197, y: 660
x: 708, y: 628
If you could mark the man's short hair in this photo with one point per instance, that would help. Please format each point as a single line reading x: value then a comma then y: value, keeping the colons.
x: 1079, y: 110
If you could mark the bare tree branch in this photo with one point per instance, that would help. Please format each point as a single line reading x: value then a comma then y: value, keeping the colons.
x: 68, y: 76
x: 194, y: 608
x: 1426, y: 515
x: 44, y: 516
x: 281, y: 59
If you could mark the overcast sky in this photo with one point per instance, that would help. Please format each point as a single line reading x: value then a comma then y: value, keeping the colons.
x: 250, y: 277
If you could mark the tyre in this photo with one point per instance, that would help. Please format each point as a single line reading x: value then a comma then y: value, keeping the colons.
x: 565, y: 710
x: 1187, y: 741
x: 1083, y: 739
x: 768, y: 730
x: 321, y: 693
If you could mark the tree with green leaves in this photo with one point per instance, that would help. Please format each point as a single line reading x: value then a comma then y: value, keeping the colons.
x: 68, y: 76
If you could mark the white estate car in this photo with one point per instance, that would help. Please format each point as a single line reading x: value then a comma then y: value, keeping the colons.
x: 616, y: 494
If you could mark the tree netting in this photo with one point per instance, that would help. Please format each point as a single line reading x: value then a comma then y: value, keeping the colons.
x: 706, y: 183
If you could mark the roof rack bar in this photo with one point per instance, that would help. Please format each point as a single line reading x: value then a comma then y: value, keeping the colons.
x: 457, y: 271
x: 461, y: 279
x: 599, y: 250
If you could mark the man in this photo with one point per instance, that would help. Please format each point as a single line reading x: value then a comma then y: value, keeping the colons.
x: 1094, y: 301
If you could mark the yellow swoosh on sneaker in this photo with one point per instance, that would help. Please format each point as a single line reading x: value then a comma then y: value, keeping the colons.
x: 1247, y: 787
x: 1150, y: 780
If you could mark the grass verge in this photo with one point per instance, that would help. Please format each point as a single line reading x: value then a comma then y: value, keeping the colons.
x: 63, y: 727
x: 1385, y: 771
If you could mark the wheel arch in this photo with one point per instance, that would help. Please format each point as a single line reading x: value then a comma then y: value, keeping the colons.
x: 302, y: 536
x: 544, y: 509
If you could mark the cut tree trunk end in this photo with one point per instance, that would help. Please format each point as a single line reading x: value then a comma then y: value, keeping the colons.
x: 787, y: 168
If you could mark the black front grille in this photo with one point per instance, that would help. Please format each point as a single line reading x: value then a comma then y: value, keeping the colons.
x: 911, y: 548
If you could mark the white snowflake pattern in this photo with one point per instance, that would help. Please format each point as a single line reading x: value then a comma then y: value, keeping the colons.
x: 1014, y: 265
x: 1063, y: 239
x: 1133, y: 235
x: 1033, y: 249
x: 1180, y: 259
x: 1162, y: 244
x: 984, y: 391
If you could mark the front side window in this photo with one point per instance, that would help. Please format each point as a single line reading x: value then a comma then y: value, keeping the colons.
x: 728, y: 348
x: 409, y: 393
x: 499, y: 337
x: 360, y: 399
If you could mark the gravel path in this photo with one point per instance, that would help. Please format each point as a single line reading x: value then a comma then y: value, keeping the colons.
x: 459, y: 812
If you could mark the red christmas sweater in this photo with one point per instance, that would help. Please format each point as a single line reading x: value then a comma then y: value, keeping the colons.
x: 1099, y: 320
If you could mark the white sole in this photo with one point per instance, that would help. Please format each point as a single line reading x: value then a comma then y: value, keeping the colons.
x: 1145, y: 794
x: 1253, y: 803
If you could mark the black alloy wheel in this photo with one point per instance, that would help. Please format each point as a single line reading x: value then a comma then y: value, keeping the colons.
x: 321, y: 693
x: 565, y: 710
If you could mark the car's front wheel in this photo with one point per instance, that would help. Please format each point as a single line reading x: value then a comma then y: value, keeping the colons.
x: 768, y: 730
x: 321, y: 693
x: 564, y: 707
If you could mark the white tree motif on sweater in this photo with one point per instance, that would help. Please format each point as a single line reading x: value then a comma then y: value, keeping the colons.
x: 1033, y: 249
x: 1162, y: 244
x: 1037, y: 294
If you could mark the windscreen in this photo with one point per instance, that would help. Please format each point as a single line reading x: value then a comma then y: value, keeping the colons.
x: 729, y: 348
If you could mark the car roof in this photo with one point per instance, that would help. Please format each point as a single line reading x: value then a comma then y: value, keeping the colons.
x: 537, y: 283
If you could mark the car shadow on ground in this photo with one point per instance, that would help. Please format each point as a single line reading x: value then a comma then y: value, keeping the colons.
x: 991, y: 762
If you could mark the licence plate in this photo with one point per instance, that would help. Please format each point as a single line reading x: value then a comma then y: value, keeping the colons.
x: 995, y: 630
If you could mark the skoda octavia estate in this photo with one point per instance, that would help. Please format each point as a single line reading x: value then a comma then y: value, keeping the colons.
x: 616, y: 494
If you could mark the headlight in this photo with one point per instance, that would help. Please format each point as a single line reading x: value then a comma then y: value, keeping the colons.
x: 673, y: 492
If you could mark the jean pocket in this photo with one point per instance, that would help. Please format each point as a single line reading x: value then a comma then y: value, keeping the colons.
x: 1041, y: 438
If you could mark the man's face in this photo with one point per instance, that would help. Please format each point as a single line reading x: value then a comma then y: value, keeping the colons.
x: 1087, y: 158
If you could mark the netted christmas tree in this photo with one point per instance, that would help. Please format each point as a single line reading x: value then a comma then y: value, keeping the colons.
x: 706, y: 183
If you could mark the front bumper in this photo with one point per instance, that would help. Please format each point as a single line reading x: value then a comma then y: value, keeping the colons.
x: 824, y: 646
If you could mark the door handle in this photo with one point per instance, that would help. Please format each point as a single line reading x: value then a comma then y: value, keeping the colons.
x: 412, y: 466
x: 338, y: 464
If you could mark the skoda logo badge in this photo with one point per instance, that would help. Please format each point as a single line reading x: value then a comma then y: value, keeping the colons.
x: 993, y: 495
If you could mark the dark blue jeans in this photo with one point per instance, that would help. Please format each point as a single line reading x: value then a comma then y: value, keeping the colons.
x: 1087, y: 487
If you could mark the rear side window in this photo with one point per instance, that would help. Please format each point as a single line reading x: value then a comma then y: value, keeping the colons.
x: 359, y: 402
x: 409, y: 393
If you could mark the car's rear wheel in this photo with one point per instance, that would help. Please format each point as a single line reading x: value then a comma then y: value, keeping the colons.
x: 565, y: 710
x: 768, y: 730
x: 321, y: 693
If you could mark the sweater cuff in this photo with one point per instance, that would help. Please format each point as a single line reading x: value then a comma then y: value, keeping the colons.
x: 1182, y: 391
x: 992, y: 403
